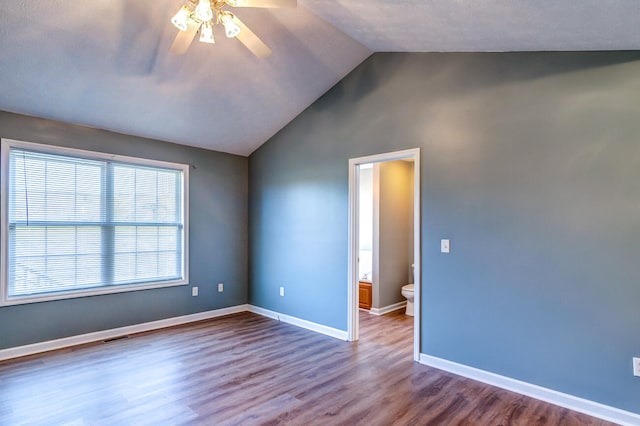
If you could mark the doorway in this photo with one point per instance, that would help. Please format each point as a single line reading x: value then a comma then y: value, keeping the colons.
x: 353, y: 240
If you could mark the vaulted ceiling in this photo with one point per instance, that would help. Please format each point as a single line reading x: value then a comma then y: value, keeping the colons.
x: 105, y: 63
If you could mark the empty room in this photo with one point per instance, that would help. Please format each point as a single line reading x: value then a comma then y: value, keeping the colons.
x: 327, y: 212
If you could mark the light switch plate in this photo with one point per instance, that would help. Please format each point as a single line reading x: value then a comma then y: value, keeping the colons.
x: 220, y: 287
x: 194, y: 291
x: 636, y: 367
x: 281, y: 291
x: 445, y: 246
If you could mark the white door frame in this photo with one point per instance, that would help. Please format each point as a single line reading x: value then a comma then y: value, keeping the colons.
x: 352, y: 294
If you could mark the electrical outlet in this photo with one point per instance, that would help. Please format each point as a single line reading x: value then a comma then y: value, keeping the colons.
x: 636, y: 367
x: 220, y: 287
x: 194, y: 291
x: 281, y: 291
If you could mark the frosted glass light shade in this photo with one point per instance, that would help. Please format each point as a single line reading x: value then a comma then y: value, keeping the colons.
x: 203, y: 11
x: 231, y: 29
x: 181, y: 18
x: 206, y: 33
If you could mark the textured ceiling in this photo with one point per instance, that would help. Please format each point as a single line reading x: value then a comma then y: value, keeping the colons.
x: 104, y: 63
x: 485, y: 25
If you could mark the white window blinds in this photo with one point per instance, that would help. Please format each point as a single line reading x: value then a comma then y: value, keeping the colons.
x: 76, y: 224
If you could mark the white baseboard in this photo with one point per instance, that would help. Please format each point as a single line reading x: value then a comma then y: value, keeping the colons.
x: 318, y: 328
x: 389, y: 308
x: 571, y: 402
x: 97, y: 336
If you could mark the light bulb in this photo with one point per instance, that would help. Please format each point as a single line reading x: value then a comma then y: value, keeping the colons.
x: 203, y: 11
x: 230, y: 28
x: 206, y: 33
x: 180, y: 19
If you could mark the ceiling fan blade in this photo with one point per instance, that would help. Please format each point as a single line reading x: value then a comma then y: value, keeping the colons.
x: 251, y: 41
x: 263, y: 3
x: 184, y: 38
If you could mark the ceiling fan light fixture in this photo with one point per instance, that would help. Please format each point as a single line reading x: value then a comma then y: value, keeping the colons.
x: 200, y: 16
x: 231, y: 29
x: 181, y: 18
x: 204, y: 11
x: 206, y: 33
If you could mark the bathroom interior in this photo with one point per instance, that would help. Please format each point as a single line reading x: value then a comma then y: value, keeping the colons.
x: 385, y: 244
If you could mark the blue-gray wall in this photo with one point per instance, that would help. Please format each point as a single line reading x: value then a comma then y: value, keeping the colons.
x: 217, y: 239
x: 530, y: 165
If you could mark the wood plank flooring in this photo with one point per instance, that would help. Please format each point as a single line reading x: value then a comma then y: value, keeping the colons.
x: 245, y: 369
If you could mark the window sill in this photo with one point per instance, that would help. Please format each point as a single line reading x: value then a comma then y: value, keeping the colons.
x: 22, y: 300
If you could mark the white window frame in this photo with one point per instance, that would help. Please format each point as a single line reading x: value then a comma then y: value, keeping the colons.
x: 7, y: 144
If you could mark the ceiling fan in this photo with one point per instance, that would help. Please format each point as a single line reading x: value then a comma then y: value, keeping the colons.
x: 202, y: 15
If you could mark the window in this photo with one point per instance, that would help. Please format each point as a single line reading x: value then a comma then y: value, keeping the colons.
x: 79, y: 223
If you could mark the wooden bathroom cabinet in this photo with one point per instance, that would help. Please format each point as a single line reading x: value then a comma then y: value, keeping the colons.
x: 365, y: 292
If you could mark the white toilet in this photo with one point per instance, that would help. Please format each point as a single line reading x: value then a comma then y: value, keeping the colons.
x: 407, y: 292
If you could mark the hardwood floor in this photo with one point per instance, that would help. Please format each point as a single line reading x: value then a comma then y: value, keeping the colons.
x: 245, y: 369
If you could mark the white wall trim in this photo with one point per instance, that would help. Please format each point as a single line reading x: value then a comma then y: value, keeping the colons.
x: 81, y: 339
x: 352, y: 241
x: 389, y: 308
x: 571, y: 402
x: 97, y: 336
x: 318, y: 328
